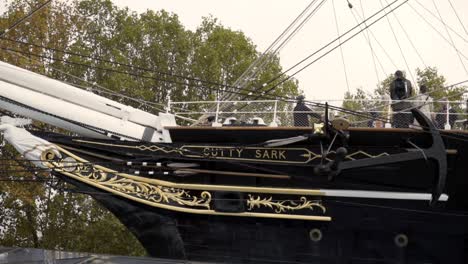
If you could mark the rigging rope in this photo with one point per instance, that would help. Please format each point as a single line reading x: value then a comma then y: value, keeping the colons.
x: 316, y: 104
x: 438, y: 19
x: 117, y: 63
x: 458, y: 17
x: 378, y: 42
x: 366, y: 36
x: 322, y: 48
x: 341, y: 48
x: 438, y: 32
x: 93, y: 84
x: 356, y: 16
x: 414, y: 106
x: 19, y: 21
x: 288, y: 38
x: 283, y: 98
x: 409, y: 38
x: 354, y: 35
x: 399, y: 46
x: 450, y: 38
x: 411, y: 98
x: 266, y: 57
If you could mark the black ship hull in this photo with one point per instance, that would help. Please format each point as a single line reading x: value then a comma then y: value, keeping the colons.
x: 362, y: 231
x: 240, y: 208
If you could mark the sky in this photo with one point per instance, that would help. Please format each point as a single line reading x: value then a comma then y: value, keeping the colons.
x: 421, y: 41
x: 264, y: 20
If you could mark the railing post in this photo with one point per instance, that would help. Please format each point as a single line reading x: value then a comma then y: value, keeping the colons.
x: 216, y: 123
x: 168, y: 108
x: 447, y: 123
x: 273, y: 122
x: 389, y: 108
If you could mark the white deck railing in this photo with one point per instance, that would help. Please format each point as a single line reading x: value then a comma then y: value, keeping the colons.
x: 281, y: 113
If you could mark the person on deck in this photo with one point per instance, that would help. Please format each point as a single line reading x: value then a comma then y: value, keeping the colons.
x: 302, y: 113
x: 209, y: 121
x: 424, y: 103
x: 401, y: 90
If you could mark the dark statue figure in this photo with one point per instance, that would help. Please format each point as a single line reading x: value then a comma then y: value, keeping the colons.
x: 401, y: 90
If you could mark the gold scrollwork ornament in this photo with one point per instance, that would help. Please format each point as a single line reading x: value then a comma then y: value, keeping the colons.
x: 283, y: 206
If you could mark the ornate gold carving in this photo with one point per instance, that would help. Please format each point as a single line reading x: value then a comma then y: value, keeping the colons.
x: 312, y: 155
x: 318, y: 128
x: 282, y: 206
x: 152, y: 148
x: 351, y: 156
x: 143, y: 190
x: 169, y: 194
x: 274, y: 155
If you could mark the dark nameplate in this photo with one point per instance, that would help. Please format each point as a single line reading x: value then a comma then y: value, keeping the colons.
x: 257, y: 154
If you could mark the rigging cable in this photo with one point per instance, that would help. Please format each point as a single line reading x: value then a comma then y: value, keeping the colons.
x: 19, y: 21
x: 367, y: 37
x: 101, y: 68
x: 437, y: 31
x: 93, y: 84
x: 409, y: 38
x: 450, y: 38
x: 103, y: 87
x: 368, y: 41
x: 341, y: 48
x: 234, y: 92
x: 322, y: 48
x: 319, y: 105
x: 378, y: 42
x: 409, y: 108
x: 438, y: 19
x: 399, y: 46
x: 413, y: 97
x: 283, y: 98
x: 106, y: 69
x: 139, y: 68
x: 260, y: 62
x: 228, y: 107
x: 458, y: 17
x: 335, y: 47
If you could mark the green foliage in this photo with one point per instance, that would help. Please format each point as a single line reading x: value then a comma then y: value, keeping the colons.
x: 31, y: 214
x: 435, y: 82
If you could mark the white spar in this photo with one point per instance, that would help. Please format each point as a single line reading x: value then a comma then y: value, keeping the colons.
x: 53, y: 102
x: 28, y: 145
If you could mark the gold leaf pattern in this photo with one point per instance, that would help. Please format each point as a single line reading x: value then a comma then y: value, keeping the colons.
x: 143, y: 190
x: 282, y: 206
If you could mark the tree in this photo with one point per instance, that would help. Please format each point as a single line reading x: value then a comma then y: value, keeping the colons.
x: 144, y: 56
x: 435, y: 82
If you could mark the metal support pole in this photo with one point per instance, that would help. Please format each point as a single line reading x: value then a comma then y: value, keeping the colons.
x: 389, y: 110
x: 273, y: 122
x: 447, y: 123
x: 168, y: 108
x: 216, y: 123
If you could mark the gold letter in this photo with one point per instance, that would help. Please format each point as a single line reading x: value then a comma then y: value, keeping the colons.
x: 206, y: 152
x: 239, y: 152
x: 282, y: 154
x: 273, y: 154
x: 258, y: 154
